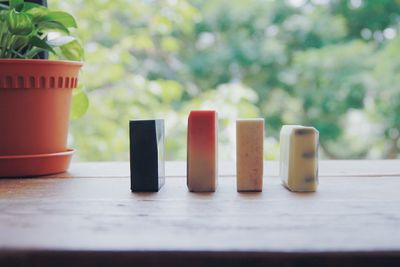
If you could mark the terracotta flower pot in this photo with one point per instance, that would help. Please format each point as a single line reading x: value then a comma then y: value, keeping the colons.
x: 35, y: 100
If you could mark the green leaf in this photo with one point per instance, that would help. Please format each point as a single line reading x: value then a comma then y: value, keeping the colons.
x: 33, y: 52
x: 3, y: 15
x: 4, y: 7
x: 62, y: 17
x: 52, y: 26
x: 29, y: 6
x: 19, y: 23
x: 60, y: 41
x: 39, y: 43
x: 42, y: 14
x: 21, y: 41
x: 73, y: 51
x: 80, y: 103
x: 38, y: 13
x: 16, y: 4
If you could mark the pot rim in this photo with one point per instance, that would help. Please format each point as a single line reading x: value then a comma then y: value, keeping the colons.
x: 39, y: 61
x: 32, y: 156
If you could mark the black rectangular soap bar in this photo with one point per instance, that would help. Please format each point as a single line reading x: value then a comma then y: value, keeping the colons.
x: 147, y: 155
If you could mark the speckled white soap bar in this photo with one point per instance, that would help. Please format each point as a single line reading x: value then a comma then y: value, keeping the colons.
x: 299, y: 158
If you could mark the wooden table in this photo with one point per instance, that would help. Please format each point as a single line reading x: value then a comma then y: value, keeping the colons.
x: 89, y: 216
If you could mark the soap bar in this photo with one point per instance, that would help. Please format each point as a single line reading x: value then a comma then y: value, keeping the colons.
x: 202, y: 151
x: 147, y: 155
x: 299, y: 158
x: 249, y: 154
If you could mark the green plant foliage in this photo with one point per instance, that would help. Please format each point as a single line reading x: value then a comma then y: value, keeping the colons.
x: 19, y: 23
x: 80, y: 103
x: 332, y: 64
x: 25, y: 28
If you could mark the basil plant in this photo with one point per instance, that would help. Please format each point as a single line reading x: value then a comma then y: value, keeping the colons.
x: 27, y: 29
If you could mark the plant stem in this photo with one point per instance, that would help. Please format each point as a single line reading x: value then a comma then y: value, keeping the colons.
x: 18, y: 54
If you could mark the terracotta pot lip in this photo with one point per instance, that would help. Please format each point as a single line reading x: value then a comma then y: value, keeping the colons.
x: 39, y: 61
x: 63, y: 153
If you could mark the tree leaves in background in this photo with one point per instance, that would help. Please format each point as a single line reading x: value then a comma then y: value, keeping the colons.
x: 326, y: 63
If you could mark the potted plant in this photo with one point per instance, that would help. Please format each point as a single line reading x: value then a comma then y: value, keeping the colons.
x: 35, y: 94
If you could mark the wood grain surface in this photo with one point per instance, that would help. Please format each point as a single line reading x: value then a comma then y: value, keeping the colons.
x: 89, y: 216
x: 175, y: 169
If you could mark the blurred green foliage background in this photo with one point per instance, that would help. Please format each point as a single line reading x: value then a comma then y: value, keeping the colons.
x: 332, y: 64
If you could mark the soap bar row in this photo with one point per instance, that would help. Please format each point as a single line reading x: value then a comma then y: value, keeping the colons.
x: 298, y: 156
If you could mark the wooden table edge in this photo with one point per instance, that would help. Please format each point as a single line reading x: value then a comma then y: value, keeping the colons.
x: 43, y: 258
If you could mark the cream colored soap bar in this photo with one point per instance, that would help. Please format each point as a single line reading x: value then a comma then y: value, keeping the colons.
x: 299, y: 158
x: 249, y: 154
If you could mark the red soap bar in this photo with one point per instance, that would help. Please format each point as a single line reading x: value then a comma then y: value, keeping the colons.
x: 202, y: 151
